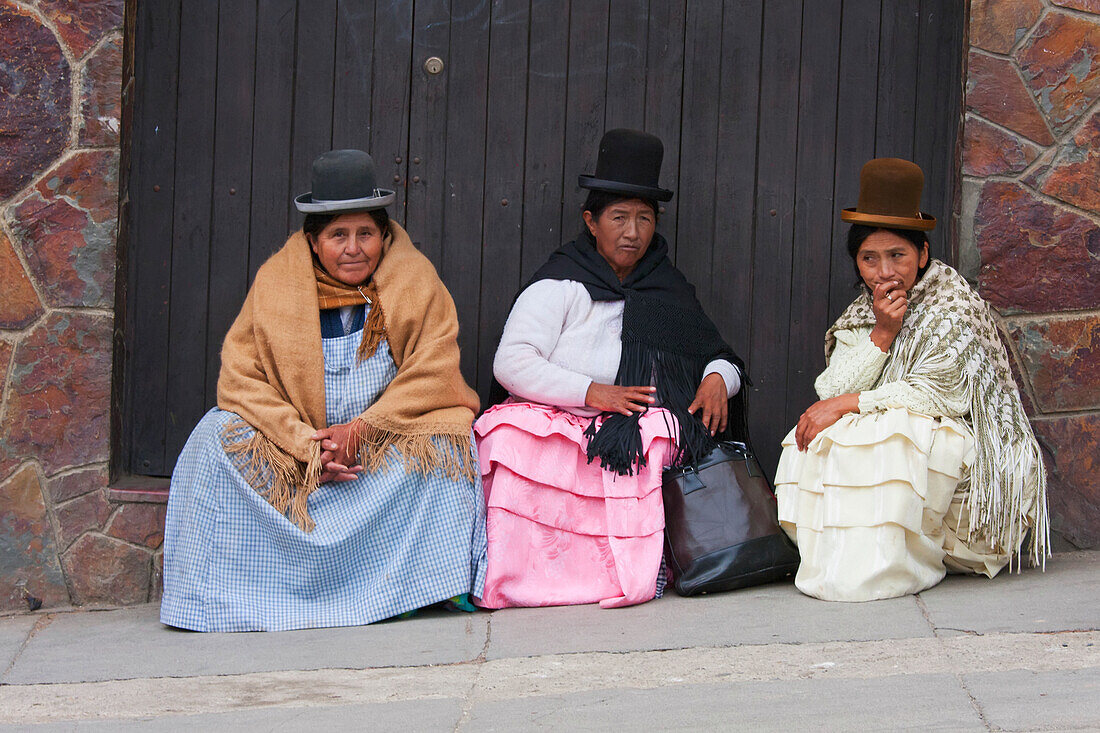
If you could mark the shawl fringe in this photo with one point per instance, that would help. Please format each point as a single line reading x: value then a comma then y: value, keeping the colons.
x: 374, y: 328
x: 1007, y: 474
x: 445, y: 454
x: 287, y: 481
x: 617, y: 442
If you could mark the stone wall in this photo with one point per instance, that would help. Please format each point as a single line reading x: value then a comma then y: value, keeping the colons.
x: 1030, y: 226
x: 62, y: 539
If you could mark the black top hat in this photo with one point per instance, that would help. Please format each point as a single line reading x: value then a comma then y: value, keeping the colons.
x: 343, y: 180
x: 629, y: 163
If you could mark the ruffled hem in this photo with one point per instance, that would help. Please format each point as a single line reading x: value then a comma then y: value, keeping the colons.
x: 872, y: 504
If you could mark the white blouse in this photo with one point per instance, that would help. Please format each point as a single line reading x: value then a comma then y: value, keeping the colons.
x: 557, y: 341
x: 856, y: 365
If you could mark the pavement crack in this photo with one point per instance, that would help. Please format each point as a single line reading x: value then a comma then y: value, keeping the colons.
x: 968, y: 632
x: 943, y: 645
x: 974, y: 702
x: 468, y: 699
x: 42, y: 622
x: 926, y: 614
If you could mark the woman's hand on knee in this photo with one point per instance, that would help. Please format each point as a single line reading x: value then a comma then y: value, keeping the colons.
x: 624, y: 400
x: 338, y: 454
x: 712, y: 402
x: 823, y: 414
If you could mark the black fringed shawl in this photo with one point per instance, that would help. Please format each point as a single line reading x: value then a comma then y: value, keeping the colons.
x: 667, y: 340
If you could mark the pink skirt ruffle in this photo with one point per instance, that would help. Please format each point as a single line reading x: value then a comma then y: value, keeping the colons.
x: 561, y: 530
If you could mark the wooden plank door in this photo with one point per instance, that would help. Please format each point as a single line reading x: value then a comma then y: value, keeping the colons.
x: 767, y: 111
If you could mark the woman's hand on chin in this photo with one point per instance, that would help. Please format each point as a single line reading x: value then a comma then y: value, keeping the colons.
x: 823, y: 414
x: 624, y: 400
x: 337, y: 454
x: 712, y: 398
x: 889, y: 302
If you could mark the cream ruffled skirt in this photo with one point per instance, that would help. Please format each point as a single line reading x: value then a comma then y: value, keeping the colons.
x: 877, y: 506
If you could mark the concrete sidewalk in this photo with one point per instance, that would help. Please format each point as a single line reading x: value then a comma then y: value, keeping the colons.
x: 1021, y: 652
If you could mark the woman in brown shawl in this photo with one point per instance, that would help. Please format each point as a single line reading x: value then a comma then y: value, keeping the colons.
x: 335, y: 482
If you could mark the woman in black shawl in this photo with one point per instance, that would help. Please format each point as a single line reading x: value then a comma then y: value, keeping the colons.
x: 614, y: 372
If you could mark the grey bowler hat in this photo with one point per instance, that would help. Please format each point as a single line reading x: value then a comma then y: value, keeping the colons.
x: 343, y: 180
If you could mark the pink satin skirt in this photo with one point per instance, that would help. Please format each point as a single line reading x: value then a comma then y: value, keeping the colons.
x: 561, y: 530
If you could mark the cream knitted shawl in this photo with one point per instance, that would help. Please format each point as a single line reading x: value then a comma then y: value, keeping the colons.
x: 949, y: 343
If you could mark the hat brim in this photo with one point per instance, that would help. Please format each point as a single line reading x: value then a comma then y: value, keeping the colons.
x: 644, y: 192
x: 925, y: 223
x: 307, y: 205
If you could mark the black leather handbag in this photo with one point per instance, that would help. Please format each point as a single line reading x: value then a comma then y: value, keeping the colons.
x: 721, y: 525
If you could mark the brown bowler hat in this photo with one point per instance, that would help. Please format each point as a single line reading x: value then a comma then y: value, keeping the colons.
x: 889, y: 196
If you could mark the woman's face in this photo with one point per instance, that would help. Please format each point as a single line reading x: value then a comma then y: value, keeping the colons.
x: 349, y: 248
x: 623, y: 232
x: 886, y: 257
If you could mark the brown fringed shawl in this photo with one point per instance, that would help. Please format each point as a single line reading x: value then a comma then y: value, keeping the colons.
x: 272, y: 375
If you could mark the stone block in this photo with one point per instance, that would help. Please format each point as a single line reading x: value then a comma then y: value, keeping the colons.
x: 80, y: 515
x: 1062, y: 359
x: 5, y: 360
x: 998, y: 25
x: 989, y: 150
x: 77, y: 483
x: 1060, y: 64
x: 1074, y: 176
x: 66, y: 230
x: 1089, y: 6
x: 1036, y: 256
x: 19, y: 303
x: 34, y: 123
x: 1041, y: 169
x: 156, y: 584
x: 1073, y: 493
x: 28, y: 555
x: 59, y: 393
x: 995, y: 91
x: 140, y: 524
x: 101, y: 95
x: 82, y: 24
x: 1021, y: 382
x: 105, y: 570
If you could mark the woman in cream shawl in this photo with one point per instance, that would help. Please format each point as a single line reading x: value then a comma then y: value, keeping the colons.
x: 918, y: 458
x: 335, y: 484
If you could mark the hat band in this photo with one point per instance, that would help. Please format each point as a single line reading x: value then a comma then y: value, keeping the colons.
x: 920, y: 222
x: 375, y: 194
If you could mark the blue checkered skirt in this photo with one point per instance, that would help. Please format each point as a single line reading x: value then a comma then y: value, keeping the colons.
x: 384, y: 544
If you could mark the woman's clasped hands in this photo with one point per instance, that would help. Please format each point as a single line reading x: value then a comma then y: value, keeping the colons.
x: 339, y: 453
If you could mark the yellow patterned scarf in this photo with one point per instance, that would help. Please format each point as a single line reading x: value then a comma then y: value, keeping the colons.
x: 331, y: 293
x: 272, y: 374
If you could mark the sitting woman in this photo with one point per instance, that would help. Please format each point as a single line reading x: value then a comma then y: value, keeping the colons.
x: 918, y: 459
x: 603, y: 333
x: 336, y: 482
